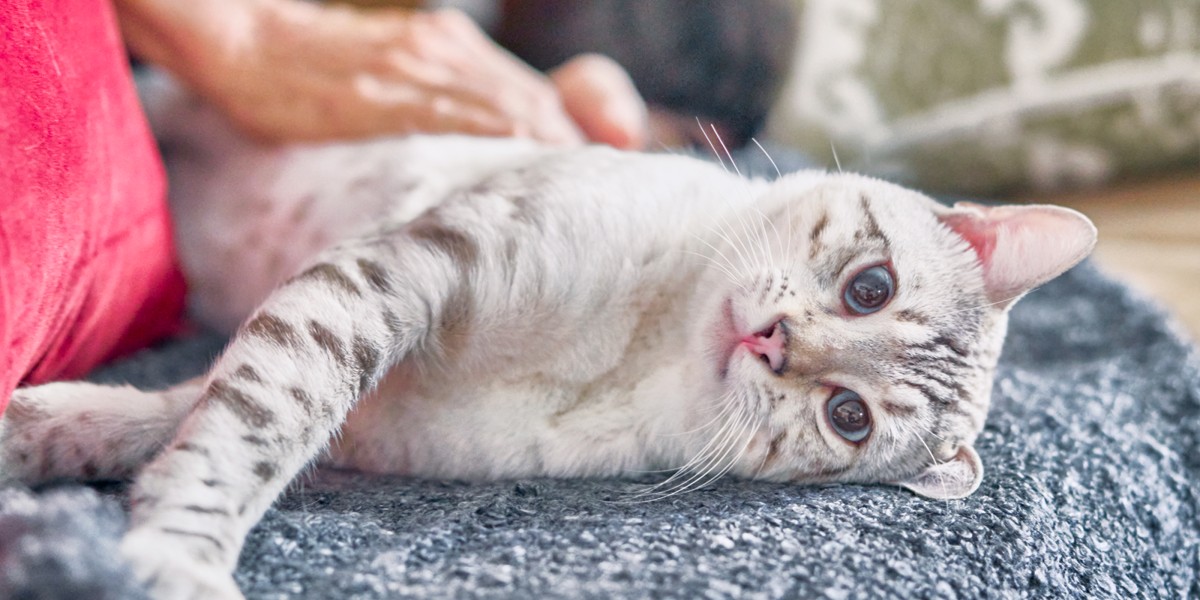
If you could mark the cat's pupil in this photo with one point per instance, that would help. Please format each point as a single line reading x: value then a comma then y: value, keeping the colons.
x: 869, y: 291
x: 850, y: 415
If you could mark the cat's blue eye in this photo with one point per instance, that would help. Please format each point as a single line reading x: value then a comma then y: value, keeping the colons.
x: 869, y: 290
x: 848, y: 415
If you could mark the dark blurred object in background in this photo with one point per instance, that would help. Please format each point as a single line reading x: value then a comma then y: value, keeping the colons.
x: 721, y: 61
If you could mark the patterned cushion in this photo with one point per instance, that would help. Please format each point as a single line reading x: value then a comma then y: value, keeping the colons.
x: 997, y: 96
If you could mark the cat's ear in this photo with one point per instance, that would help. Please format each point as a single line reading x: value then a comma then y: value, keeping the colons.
x: 955, y: 478
x: 1021, y: 246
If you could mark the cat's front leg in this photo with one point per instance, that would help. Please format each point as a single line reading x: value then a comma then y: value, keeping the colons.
x: 85, y: 431
x: 270, y: 405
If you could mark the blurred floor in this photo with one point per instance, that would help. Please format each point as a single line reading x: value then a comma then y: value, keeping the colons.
x: 1150, y: 237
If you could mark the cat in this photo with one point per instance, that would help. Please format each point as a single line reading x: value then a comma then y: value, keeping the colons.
x: 468, y: 308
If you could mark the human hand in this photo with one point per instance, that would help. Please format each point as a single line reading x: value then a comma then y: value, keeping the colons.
x: 599, y: 95
x: 311, y: 72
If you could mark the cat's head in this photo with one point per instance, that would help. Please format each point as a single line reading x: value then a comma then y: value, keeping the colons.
x: 852, y: 327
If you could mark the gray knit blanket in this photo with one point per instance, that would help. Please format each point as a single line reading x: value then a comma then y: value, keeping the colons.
x: 1091, y: 451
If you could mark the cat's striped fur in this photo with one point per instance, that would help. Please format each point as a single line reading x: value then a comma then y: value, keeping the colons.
x: 479, y: 309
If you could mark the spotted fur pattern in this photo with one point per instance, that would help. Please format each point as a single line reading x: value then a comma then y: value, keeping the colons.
x: 484, y: 309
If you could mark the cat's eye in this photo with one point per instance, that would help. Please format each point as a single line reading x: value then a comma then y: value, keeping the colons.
x: 869, y: 290
x: 848, y: 415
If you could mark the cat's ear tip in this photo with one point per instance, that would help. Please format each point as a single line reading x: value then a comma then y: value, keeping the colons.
x: 1021, y: 246
x: 1068, y: 224
x: 1059, y: 216
x: 953, y: 479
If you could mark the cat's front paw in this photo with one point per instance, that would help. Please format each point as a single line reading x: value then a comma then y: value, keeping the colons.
x: 169, y: 572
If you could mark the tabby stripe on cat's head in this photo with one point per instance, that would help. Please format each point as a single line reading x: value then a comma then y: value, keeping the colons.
x: 898, y: 410
x: 832, y: 269
x: 814, y: 238
x: 871, y: 231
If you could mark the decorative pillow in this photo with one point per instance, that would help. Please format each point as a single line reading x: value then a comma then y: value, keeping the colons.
x: 996, y: 96
x: 87, y: 269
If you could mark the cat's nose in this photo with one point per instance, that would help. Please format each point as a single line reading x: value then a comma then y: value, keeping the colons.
x: 770, y: 344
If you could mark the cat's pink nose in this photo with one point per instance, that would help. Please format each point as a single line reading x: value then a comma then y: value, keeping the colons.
x: 769, y: 345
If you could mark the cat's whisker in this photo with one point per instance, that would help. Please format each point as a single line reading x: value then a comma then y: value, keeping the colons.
x: 753, y: 261
x: 759, y: 237
x: 726, y: 435
x: 739, y: 248
x: 931, y: 433
x: 787, y: 207
x: 768, y: 155
x: 778, y: 239
x: 702, y: 455
x: 758, y: 241
x: 721, y: 415
x: 753, y: 247
x: 723, y: 147
x: 714, y: 458
x: 762, y: 242
x: 710, y: 261
x: 725, y: 270
x: 836, y: 161
x: 927, y: 449
x: 898, y: 435
x: 711, y: 145
x: 749, y: 431
x: 730, y: 268
x: 706, y: 476
x: 704, y: 459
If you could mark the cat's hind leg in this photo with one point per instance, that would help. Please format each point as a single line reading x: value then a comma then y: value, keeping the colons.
x: 88, y: 432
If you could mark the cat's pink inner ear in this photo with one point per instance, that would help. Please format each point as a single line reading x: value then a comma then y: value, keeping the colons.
x: 1021, y: 247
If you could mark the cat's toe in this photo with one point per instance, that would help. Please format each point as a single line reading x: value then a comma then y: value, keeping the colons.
x: 170, y: 573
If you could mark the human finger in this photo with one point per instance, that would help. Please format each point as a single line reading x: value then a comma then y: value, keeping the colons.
x: 599, y: 95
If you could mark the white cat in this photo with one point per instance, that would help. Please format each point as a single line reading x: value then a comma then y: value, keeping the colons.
x: 466, y: 308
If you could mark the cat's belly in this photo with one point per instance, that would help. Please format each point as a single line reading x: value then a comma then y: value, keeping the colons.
x: 532, y: 427
x: 270, y: 211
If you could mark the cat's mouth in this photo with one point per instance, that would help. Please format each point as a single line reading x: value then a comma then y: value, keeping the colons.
x: 731, y: 336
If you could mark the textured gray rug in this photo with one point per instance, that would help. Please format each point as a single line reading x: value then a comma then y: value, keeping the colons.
x: 1092, y: 454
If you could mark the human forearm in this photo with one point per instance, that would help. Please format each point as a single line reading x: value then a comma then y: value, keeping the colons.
x: 190, y: 39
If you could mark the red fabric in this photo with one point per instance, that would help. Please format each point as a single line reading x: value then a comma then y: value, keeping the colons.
x: 87, y: 270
